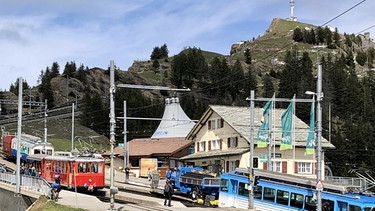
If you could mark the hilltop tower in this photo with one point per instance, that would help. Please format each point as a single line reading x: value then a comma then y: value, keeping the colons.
x: 292, y: 18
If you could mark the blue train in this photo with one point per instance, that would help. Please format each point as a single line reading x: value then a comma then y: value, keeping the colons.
x: 196, y: 182
x: 277, y: 191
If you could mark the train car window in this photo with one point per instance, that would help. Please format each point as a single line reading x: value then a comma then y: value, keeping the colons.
x: 243, y: 189
x: 224, y: 185
x: 343, y: 206
x: 85, y: 168
x: 48, y: 164
x: 100, y: 168
x: 354, y: 208
x: 49, y: 151
x: 257, y: 192
x: 36, y: 151
x: 80, y: 168
x: 24, y: 150
x: 328, y: 205
x: 296, y: 200
x: 58, y: 166
x: 269, y: 194
x: 94, y: 167
x: 282, y: 197
x: 310, y: 203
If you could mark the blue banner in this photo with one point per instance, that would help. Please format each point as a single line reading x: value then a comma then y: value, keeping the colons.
x: 310, y: 146
x: 264, y: 127
x: 286, y: 125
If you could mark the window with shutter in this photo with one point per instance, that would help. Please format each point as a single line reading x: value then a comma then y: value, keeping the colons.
x: 219, y: 123
x: 237, y: 163
x: 265, y: 166
x: 228, y: 142
x: 209, y: 145
x: 296, y: 167
x: 215, y: 144
x: 197, y: 146
x: 209, y: 125
x: 221, y: 143
x: 304, y: 167
x: 227, y: 167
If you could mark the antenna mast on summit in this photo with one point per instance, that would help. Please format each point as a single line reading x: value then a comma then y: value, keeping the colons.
x: 292, y: 18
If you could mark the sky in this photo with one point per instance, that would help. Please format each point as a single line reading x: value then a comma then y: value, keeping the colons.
x: 36, y: 33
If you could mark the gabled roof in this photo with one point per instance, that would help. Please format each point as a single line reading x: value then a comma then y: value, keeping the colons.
x: 152, y: 147
x: 216, y: 153
x: 239, y: 119
x: 175, y: 122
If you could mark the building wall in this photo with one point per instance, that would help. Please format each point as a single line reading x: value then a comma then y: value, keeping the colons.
x: 287, y: 160
x: 209, y: 134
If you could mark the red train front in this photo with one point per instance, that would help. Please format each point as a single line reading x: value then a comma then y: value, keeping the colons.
x: 80, y: 172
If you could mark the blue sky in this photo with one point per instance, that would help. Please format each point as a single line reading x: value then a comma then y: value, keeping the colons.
x: 36, y: 33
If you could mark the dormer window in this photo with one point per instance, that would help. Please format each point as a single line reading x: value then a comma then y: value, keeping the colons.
x: 211, y: 125
x: 220, y: 123
x: 232, y: 142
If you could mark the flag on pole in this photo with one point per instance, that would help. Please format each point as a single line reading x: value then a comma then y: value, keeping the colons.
x: 264, y: 127
x: 286, y: 125
x: 310, y: 146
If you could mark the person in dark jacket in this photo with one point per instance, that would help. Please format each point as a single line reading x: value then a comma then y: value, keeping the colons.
x: 168, y: 192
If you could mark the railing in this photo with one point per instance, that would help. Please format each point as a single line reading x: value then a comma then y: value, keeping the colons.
x: 350, y: 181
x: 33, y: 183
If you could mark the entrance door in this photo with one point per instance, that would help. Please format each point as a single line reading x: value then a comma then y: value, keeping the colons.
x: 234, y: 190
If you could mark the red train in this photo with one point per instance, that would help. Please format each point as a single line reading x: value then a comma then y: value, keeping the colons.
x: 79, y: 172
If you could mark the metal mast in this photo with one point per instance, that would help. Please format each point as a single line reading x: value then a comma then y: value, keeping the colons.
x: 251, y: 161
x: 112, y: 122
x: 19, y: 123
x: 319, y: 98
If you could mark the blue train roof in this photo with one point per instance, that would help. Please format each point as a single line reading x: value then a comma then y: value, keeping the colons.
x: 291, y: 180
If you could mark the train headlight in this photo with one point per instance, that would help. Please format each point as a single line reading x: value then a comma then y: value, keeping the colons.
x: 90, y: 180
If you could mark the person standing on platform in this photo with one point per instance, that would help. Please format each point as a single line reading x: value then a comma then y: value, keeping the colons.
x: 168, y: 192
x: 127, y: 171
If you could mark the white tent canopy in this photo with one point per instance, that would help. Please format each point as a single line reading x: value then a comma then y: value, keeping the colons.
x: 175, y: 123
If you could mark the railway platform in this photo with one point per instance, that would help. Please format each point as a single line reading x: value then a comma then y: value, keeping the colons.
x: 133, y: 201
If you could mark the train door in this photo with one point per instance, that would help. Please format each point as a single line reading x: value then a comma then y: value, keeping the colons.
x: 72, y: 174
x: 48, y: 171
x: 233, y: 189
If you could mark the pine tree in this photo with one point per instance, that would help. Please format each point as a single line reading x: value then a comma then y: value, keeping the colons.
x: 164, y: 51
x: 55, y: 69
x: 70, y: 69
x: 248, y: 58
x: 297, y: 35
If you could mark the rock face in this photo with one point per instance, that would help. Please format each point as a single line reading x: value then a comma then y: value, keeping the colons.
x: 273, y: 25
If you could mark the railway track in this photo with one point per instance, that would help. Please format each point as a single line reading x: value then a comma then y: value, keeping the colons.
x: 143, y: 191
